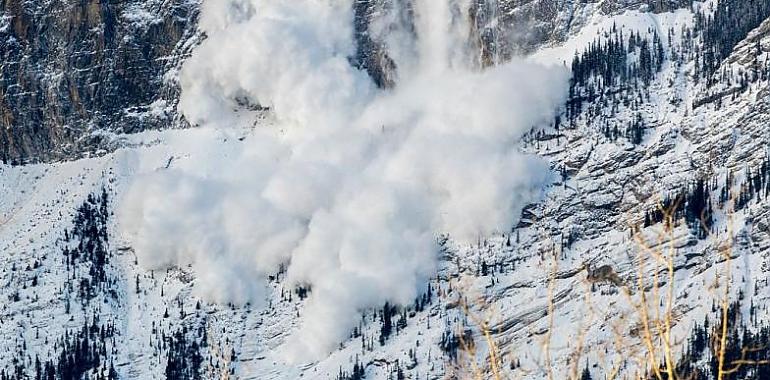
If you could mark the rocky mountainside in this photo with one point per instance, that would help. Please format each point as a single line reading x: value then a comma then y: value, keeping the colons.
x: 668, y: 110
x: 74, y: 72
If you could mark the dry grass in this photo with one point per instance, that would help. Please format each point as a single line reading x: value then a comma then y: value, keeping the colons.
x: 653, y: 352
x: 220, y: 357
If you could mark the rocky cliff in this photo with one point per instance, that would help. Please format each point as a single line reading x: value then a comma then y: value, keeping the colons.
x: 74, y: 72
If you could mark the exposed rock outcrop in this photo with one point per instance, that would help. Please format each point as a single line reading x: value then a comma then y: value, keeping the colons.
x: 73, y: 71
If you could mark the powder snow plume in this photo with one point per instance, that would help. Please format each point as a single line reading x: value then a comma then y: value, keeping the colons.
x: 345, y: 184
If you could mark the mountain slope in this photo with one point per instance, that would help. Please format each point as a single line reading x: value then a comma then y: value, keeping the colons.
x: 664, y: 106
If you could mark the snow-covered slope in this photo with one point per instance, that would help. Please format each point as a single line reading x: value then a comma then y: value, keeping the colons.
x: 622, y: 145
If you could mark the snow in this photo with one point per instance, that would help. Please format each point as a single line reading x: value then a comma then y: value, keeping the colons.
x: 602, y: 197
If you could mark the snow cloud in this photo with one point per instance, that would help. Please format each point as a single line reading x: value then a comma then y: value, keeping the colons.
x: 345, y: 184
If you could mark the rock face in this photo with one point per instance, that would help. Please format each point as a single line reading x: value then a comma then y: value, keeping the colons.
x: 75, y: 72
x: 501, y: 28
x: 72, y: 70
